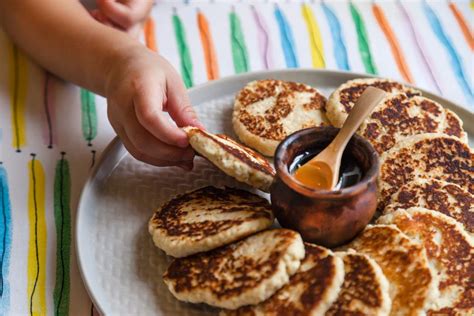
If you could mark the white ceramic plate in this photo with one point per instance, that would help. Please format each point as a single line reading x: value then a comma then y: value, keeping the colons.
x: 119, y: 264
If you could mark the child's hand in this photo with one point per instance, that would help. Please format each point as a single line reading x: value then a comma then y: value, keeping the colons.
x: 140, y: 89
x: 126, y: 15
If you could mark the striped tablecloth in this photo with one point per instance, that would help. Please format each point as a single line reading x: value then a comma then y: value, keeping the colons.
x: 53, y: 132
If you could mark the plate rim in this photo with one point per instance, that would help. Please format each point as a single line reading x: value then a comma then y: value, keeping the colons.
x: 115, y: 151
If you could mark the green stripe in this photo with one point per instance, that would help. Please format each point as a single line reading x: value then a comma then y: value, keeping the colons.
x: 363, y: 40
x: 62, y: 218
x: 239, y: 49
x: 183, y: 48
x: 89, y: 116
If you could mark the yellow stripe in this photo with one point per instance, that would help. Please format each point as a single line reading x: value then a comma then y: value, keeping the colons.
x: 315, y: 40
x: 18, y: 87
x: 37, y: 241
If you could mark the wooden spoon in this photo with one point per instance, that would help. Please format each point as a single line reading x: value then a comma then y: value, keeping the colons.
x: 322, y: 172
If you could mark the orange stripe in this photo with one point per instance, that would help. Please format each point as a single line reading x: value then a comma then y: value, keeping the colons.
x: 149, y: 30
x: 212, y: 67
x: 392, y: 40
x: 463, y: 25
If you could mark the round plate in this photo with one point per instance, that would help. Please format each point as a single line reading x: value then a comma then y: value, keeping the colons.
x: 119, y: 264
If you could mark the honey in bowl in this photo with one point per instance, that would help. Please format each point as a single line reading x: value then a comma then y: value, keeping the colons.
x: 319, y: 176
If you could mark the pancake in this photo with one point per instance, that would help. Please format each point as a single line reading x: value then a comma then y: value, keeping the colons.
x: 435, y: 156
x: 404, y: 264
x: 310, y: 291
x: 398, y: 117
x: 365, y: 290
x: 450, y: 251
x: 266, y: 111
x: 232, y: 158
x: 208, y: 218
x: 343, y: 98
x: 447, y: 198
x: 242, y: 273
x: 453, y: 126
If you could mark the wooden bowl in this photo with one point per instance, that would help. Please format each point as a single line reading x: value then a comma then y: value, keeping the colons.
x: 324, y: 217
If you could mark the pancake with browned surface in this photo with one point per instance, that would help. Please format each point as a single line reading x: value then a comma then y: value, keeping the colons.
x: 344, y: 98
x: 208, y: 218
x: 404, y: 264
x: 266, y: 111
x: 437, y: 156
x: 232, y: 158
x: 365, y: 290
x: 310, y: 291
x: 244, y: 273
x: 450, y: 251
x: 398, y: 117
x: 453, y: 126
x: 447, y: 198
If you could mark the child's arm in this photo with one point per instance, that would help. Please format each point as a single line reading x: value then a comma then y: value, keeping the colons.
x: 139, y: 85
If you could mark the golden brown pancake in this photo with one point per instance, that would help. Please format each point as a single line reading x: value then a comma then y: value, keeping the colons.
x: 365, y: 290
x: 398, y: 117
x: 343, y: 98
x: 437, y: 156
x: 404, y: 264
x: 208, y: 218
x: 453, y: 126
x: 447, y: 198
x: 450, y: 251
x: 266, y: 111
x: 310, y: 291
x: 243, y: 273
x: 232, y: 158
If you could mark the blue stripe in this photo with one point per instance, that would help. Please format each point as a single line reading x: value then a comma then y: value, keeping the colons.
x: 339, y: 50
x: 287, y: 41
x: 5, y: 241
x: 455, y: 59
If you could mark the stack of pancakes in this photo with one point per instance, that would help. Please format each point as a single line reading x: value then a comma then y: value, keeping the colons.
x: 417, y: 258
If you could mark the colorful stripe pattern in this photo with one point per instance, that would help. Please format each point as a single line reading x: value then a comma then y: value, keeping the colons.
x: 455, y: 60
x: 89, y: 116
x: 363, y: 40
x: 315, y: 41
x: 18, y: 88
x: 210, y: 56
x: 287, y: 41
x: 48, y: 111
x: 418, y: 39
x: 150, y: 37
x: 263, y: 39
x: 462, y: 24
x: 339, y: 50
x: 62, y: 217
x: 392, y: 40
x: 37, y: 241
x: 183, y: 49
x: 6, y: 241
x: 239, y: 49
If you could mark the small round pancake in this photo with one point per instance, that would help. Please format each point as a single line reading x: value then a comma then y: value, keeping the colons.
x: 310, y: 291
x: 450, y: 251
x: 437, y: 156
x: 453, y: 126
x: 404, y: 264
x: 242, y: 273
x: 267, y: 111
x: 398, y: 117
x: 343, y: 98
x: 365, y: 290
x: 208, y: 218
x: 447, y: 198
x: 232, y: 158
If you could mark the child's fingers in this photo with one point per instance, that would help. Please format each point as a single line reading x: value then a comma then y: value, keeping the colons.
x: 125, y: 13
x: 148, y: 103
x: 178, y: 105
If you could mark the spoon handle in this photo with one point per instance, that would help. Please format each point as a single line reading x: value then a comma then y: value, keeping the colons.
x: 364, y: 106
